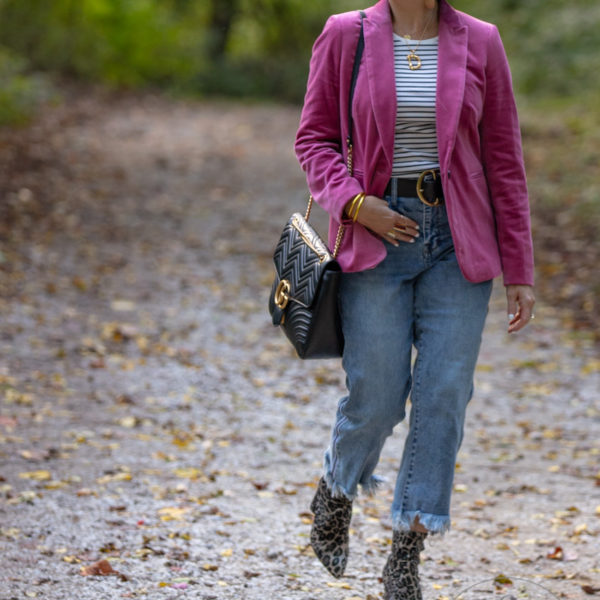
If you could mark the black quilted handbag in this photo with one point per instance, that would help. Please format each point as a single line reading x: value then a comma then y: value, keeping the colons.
x: 304, y: 295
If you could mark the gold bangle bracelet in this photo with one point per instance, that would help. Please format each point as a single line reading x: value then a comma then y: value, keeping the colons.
x: 355, y: 204
x: 354, y: 201
x: 358, y: 207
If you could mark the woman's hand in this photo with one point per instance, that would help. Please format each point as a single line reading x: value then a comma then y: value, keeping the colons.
x: 376, y: 215
x: 520, y: 300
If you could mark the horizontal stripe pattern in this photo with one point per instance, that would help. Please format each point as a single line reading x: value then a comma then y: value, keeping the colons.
x: 415, y: 139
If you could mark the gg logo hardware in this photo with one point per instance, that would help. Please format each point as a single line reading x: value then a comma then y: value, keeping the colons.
x: 282, y: 293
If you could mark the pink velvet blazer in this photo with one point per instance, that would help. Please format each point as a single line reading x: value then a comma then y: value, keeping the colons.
x: 478, y: 134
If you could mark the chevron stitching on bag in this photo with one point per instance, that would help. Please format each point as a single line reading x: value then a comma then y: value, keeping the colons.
x: 299, y: 319
x: 302, y: 259
x: 298, y: 263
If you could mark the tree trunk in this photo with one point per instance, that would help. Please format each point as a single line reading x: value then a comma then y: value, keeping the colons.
x: 222, y: 13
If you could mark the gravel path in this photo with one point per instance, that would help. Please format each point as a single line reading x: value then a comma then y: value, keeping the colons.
x: 152, y: 416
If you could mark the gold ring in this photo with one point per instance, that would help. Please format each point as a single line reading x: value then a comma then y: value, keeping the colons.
x: 391, y: 234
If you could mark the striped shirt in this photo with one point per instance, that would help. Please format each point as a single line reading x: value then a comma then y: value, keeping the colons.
x: 415, y: 140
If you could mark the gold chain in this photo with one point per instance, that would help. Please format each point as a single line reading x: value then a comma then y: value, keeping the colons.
x: 414, y: 60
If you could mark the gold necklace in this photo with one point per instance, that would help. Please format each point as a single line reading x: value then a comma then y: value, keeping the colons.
x: 414, y: 61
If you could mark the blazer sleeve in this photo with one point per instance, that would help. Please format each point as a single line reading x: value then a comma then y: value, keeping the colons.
x: 504, y: 167
x: 320, y: 138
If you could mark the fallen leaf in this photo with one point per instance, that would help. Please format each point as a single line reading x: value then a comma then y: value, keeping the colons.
x: 590, y: 590
x: 251, y: 574
x: 339, y: 584
x: 591, y: 367
x: 265, y: 494
x: 55, y: 485
x: 103, y: 568
x: 114, y: 477
x: 36, y: 475
x: 502, y: 580
x: 123, y: 305
x: 130, y: 422
x: 188, y: 472
x: 557, y: 554
x: 172, y: 513
x: 579, y: 529
x: 32, y: 455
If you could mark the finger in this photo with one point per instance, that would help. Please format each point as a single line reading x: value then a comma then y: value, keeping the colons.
x: 405, y: 225
x: 404, y: 221
x: 394, y: 236
x: 511, y: 306
x: 391, y: 237
x: 524, y: 315
x: 405, y: 237
x: 518, y: 324
x: 411, y: 231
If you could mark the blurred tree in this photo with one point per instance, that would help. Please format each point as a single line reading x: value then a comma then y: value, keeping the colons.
x: 21, y: 92
x: 221, y: 16
x: 182, y: 6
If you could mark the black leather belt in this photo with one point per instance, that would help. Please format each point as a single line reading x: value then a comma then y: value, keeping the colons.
x: 428, y: 188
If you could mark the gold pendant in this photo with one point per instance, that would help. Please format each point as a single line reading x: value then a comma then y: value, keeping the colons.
x: 413, y: 66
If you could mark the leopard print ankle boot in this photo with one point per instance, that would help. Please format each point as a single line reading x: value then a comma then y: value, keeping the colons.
x: 329, y: 533
x: 401, y: 572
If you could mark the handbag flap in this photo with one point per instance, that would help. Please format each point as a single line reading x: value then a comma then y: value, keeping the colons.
x: 301, y: 257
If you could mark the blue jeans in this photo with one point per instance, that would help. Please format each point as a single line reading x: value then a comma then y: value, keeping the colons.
x: 417, y: 297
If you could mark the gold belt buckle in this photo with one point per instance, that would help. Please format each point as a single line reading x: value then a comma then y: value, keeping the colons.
x: 420, y: 189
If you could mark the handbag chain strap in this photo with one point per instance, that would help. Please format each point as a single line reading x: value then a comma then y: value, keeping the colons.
x: 349, y: 156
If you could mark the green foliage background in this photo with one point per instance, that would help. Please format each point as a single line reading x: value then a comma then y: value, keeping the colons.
x: 181, y: 44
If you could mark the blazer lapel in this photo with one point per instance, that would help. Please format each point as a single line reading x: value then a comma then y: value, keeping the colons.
x: 452, y: 70
x: 379, y: 57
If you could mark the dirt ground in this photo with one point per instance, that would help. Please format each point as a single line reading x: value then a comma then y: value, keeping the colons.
x: 152, y: 416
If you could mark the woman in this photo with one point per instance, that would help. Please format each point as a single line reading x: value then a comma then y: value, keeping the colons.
x: 433, y: 109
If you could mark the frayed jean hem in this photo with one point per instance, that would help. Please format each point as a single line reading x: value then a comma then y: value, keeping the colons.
x: 402, y: 521
x: 370, y: 487
x: 337, y: 491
